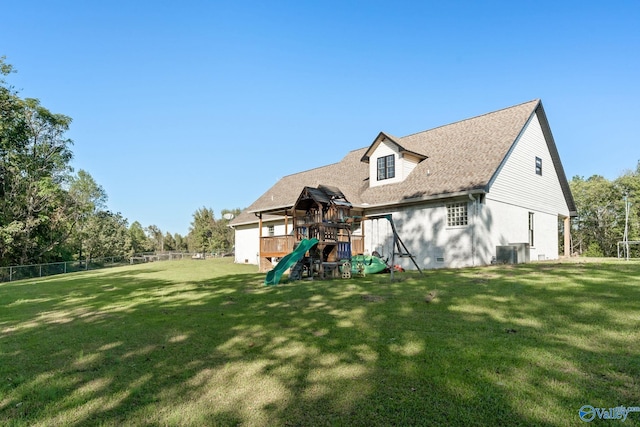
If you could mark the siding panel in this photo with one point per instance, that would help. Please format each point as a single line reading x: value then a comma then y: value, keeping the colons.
x: 517, y: 182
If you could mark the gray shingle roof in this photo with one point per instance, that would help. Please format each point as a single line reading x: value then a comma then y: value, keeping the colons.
x: 460, y: 157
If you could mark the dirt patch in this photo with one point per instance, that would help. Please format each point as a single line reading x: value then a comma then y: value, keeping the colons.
x: 372, y: 298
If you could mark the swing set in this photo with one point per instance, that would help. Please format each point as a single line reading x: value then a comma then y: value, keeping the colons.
x: 398, y: 248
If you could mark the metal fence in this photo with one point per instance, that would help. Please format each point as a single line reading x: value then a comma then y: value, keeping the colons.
x: 20, y: 272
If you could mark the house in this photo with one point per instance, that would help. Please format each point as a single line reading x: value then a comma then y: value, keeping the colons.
x: 458, y: 194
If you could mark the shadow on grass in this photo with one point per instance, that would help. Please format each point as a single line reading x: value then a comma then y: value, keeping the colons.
x: 525, y: 345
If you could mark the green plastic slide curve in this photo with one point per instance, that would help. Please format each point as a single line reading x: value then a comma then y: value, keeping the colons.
x: 273, y: 276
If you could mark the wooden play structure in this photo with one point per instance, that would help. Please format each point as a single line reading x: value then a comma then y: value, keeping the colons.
x: 322, y: 213
x: 322, y: 247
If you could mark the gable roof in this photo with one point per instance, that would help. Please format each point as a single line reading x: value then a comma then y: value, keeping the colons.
x: 462, y: 156
x: 457, y: 159
x: 323, y: 195
x: 350, y: 175
x: 383, y: 137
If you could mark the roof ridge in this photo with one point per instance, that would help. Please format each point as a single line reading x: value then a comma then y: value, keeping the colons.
x: 471, y: 118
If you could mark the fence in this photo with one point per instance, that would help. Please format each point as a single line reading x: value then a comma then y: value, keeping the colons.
x: 20, y: 272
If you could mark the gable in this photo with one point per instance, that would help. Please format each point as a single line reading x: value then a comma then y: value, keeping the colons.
x: 385, y: 155
x: 531, y: 174
x: 462, y: 157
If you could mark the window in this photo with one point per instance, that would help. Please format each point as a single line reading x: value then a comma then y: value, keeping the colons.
x: 538, y: 166
x: 531, y: 229
x: 272, y: 230
x: 457, y: 214
x: 386, y: 167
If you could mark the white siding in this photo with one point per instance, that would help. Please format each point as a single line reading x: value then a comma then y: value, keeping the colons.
x: 503, y: 223
x: 425, y: 233
x: 408, y: 164
x: 247, y: 239
x: 247, y: 244
x: 278, y: 228
x: 517, y: 182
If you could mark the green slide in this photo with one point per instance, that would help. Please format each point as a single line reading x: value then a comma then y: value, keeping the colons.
x: 273, y: 276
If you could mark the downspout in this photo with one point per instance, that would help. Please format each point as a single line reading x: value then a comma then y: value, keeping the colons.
x: 259, y: 215
x: 473, y: 229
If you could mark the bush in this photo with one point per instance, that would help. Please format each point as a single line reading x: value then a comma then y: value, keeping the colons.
x: 594, y: 250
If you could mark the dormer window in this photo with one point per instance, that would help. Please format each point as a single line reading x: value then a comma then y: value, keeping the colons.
x: 386, y: 167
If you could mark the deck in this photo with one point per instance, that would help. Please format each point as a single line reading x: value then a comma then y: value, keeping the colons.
x: 279, y: 246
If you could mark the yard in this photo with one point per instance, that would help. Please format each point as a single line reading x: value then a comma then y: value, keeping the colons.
x: 190, y: 343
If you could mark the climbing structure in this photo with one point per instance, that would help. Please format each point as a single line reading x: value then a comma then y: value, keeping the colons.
x: 321, y: 213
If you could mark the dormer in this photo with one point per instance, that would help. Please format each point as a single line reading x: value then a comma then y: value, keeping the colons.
x: 389, y: 162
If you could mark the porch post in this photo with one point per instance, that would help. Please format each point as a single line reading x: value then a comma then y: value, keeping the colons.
x: 259, y: 215
x: 567, y: 236
x: 286, y: 223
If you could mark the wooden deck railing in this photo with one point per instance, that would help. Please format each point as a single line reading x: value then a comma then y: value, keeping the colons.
x: 277, y: 246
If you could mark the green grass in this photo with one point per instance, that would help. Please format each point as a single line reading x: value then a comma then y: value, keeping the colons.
x: 206, y: 343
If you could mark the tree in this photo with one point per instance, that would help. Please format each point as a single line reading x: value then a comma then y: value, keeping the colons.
x: 182, y: 243
x: 628, y: 186
x: 600, y: 222
x: 107, y: 235
x: 210, y: 235
x: 226, y: 233
x: 138, y: 239
x: 36, y: 213
x: 169, y: 242
x: 155, y: 236
x: 202, y: 230
x: 88, y: 198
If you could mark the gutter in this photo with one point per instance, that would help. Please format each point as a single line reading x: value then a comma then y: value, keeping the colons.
x: 418, y: 200
x: 393, y: 204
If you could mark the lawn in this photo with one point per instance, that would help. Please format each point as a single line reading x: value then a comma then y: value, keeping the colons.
x: 191, y: 343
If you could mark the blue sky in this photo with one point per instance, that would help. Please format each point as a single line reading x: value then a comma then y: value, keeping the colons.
x: 190, y: 104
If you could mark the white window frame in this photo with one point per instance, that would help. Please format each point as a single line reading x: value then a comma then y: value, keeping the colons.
x: 457, y: 214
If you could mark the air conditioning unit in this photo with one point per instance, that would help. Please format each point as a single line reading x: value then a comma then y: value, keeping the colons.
x: 506, y: 254
x: 524, y: 253
x: 513, y: 253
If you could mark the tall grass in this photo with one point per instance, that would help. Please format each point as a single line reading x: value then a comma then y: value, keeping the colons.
x: 205, y: 343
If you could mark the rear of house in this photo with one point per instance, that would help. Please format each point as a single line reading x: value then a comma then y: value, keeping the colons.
x: 457, y: 194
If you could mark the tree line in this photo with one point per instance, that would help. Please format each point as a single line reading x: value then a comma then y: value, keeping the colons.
x: 603, y: 213
x: 48, y: 213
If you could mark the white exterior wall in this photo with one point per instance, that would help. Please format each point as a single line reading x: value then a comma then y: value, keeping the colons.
x: 518, y: 190
x: 503, y: 224
x: 247, y: 244
x: 403, y: 164
x: 247, y: 239
x: 517, y: 182
x: 423, y: 229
